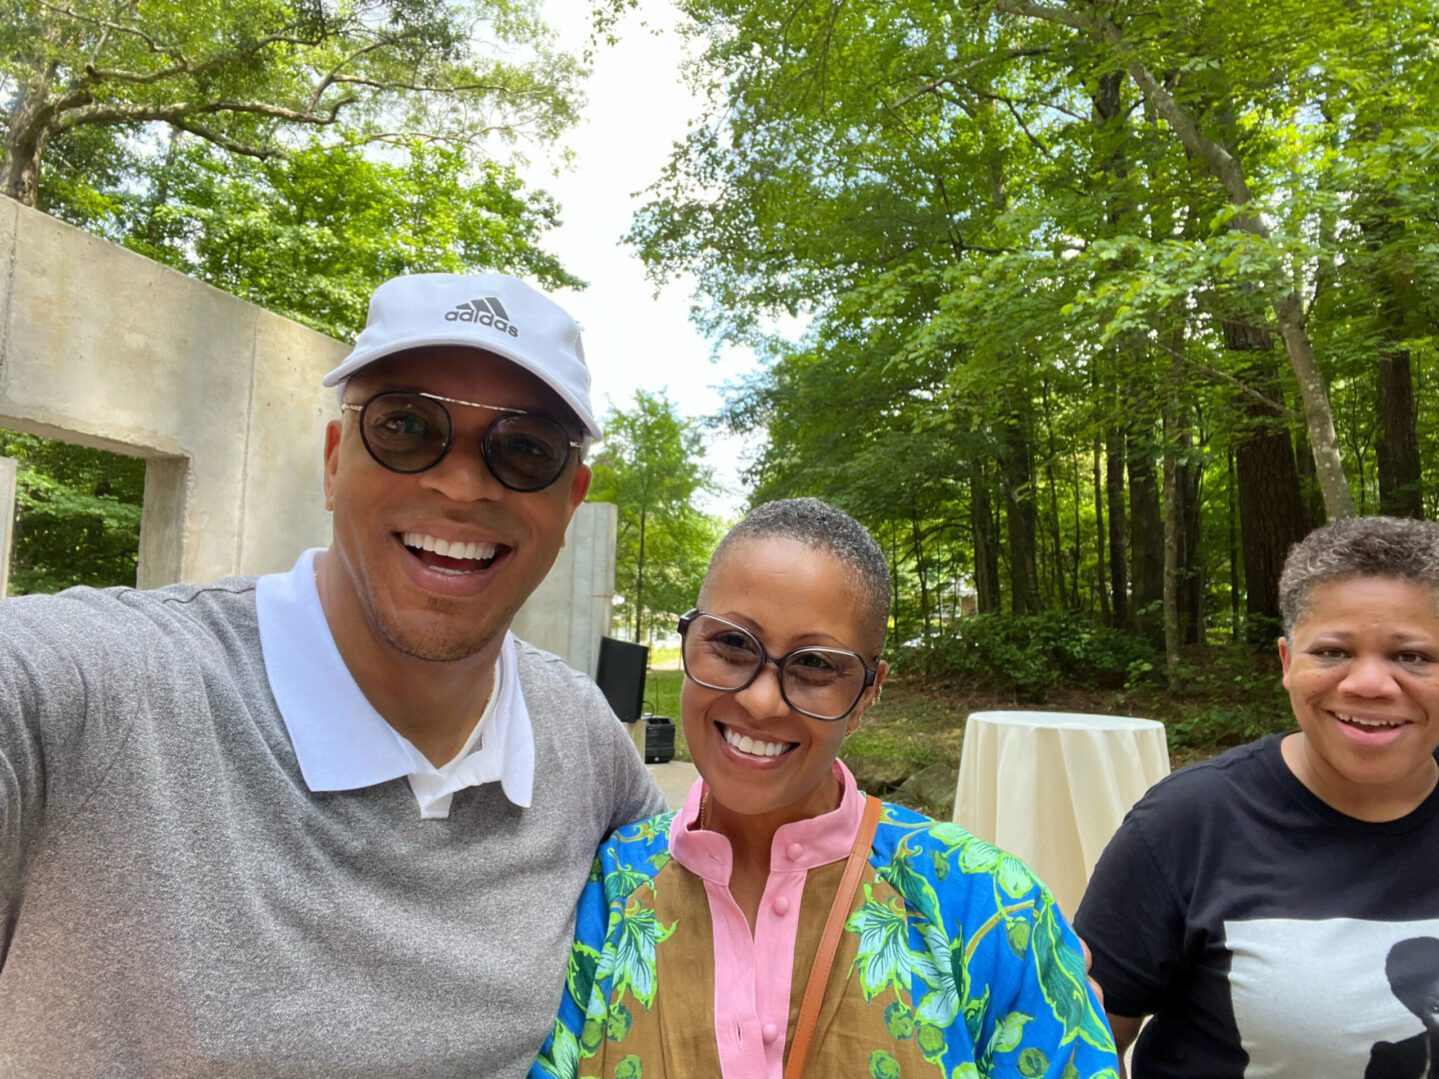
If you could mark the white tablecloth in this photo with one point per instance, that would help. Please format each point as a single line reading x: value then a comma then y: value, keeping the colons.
x: 1052, y: 787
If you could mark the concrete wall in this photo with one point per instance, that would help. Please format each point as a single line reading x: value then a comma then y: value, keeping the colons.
x: 103, y: 347
x: 106, y: 348
x: 570, y: 611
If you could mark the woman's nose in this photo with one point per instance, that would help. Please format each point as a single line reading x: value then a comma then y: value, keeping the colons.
x: 763, y: 698
x: 1369, y: 676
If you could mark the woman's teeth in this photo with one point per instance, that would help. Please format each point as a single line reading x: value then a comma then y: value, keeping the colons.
x: 1360, y: 721
x: 755, y: 748
x: 444, y: 548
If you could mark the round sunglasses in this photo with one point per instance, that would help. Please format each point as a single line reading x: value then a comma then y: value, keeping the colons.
x: 408, y: 431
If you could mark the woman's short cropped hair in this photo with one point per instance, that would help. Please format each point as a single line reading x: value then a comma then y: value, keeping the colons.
x: 822, y: 527
x: 1397, y: 547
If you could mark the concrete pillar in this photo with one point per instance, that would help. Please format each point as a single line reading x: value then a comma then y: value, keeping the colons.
x: 8, y: 470
x: 570, y: 611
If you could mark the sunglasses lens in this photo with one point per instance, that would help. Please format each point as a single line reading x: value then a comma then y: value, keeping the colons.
x: 404, y: 431
x: 526, y: 453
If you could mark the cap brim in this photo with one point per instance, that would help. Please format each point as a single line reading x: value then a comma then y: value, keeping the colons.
x: 357, y: 361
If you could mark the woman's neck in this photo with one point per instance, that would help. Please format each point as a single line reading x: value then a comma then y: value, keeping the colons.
x: 751, y: 835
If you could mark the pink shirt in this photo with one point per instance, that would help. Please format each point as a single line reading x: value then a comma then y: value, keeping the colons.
x: 752, y: 973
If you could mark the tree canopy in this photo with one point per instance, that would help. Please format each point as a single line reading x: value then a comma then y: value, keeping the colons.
x: 1106, y: 306
x: 260, y: 79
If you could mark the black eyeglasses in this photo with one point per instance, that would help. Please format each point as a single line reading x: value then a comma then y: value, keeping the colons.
x: 410, y: 432
x: 822, y: 683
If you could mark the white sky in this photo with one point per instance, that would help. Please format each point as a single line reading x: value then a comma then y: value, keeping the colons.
x: 638, y: 106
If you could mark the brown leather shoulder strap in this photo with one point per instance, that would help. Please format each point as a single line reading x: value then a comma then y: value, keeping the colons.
x: 829, y: 940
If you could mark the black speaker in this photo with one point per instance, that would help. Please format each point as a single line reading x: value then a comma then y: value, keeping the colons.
x: 621, y: 676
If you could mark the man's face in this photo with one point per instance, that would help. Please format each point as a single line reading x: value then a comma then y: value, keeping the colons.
x: 419, y: 602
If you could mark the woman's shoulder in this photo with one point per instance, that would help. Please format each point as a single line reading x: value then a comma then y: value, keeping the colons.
x: 952, y: 862
x: 1218, y: 785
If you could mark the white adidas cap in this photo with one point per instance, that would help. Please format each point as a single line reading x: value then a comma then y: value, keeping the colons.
x: 493, y: 312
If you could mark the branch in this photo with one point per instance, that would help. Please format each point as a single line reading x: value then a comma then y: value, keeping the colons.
x: 111, y: 113
x: 225, y: 142
x: 1012, y: 54
x: 1277, y: 407
x: 1222, y: 164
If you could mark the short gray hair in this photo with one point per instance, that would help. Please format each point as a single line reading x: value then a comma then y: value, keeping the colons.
x: 820, y: 526
x: 1396, y: 547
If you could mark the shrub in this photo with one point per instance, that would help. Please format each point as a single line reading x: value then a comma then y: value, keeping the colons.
x: 1030, y: 654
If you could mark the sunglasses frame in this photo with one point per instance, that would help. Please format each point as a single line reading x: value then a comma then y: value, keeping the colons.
x: 688, y: 619
x: 361, y: 408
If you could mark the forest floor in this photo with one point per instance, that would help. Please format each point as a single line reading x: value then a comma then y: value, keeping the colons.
x: 1223, y: 698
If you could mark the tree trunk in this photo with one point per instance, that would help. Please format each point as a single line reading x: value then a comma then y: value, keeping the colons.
x: 1146, y: 535
x: 1171, y: 558
x: 986, y: 541
x: 1232, y: 504
x: 1191, y: 565
x: 1176, y: 440
x: 1271, y: 513
x: 1401, y: 492
x: 1016, y: 470
x: 1100, y: 539
x: 920, y: 569
x: 1118, y: 563
x: 1061, y: 586
x: 640, y: 579
x: 25, y: 136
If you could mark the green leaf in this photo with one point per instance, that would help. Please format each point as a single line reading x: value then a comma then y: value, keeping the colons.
x: 1008, y: 1034
x: 1062, y: 980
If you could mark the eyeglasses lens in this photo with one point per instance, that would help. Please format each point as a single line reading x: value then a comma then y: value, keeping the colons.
x: 821, y: 682
x: 526, y: 452
x: 408, y: 432
x: 404, y: 431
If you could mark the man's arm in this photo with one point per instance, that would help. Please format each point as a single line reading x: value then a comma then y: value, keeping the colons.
x: 1125, y: 1030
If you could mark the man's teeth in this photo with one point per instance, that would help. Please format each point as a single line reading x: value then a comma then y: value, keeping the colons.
x: 1360, y: 721
x: 755, y: 748
x: 421, y: 542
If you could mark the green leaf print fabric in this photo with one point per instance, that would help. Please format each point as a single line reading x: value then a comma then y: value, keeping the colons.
x: 955, y: 964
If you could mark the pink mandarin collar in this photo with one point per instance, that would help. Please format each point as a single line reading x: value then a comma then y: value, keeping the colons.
x: 800, y: 845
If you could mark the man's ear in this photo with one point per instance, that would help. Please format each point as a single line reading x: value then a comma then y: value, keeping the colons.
x: 580, y: 485
x: 332, y: 461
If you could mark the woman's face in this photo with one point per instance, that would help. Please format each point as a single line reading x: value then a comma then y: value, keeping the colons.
x: 789, y: 596
x: 1362, y: 670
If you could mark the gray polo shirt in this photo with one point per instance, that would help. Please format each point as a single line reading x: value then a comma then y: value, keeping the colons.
x: 176, y: 900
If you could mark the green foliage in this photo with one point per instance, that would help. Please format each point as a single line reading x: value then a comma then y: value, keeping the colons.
x: 261, y: 79
x: 311, y: 235
x: 649, y: 466
x: 1031, y: 653
x: 78, y: 515
x: 1015, y: 269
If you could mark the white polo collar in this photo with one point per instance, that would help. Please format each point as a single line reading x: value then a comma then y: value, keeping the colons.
x: 340, y: 741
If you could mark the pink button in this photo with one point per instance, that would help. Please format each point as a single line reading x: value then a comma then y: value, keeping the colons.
x: 769, y: 1032
x: 781, y: 905
x: 794, y: 850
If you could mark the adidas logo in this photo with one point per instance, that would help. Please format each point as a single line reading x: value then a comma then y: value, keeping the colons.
x: 487, y: 311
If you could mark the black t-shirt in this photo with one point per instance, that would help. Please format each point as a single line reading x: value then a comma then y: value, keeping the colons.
x: 1253, y: 922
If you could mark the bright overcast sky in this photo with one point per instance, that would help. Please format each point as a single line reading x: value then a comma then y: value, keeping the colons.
x: 638, y: 106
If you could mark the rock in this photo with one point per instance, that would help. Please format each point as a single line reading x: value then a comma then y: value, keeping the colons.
x: 878, y: 777
x: 930, y: 790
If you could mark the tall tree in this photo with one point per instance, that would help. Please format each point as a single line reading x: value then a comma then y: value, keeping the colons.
x: 650, y: 466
